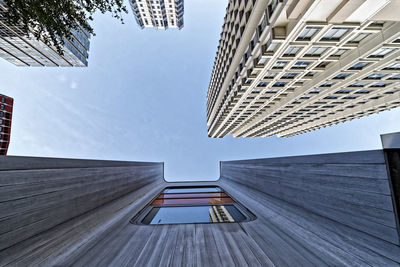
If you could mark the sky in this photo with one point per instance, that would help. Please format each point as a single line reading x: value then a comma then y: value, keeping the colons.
x: 143, y: 98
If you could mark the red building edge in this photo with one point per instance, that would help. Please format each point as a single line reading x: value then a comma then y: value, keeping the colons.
x: 6, y: 108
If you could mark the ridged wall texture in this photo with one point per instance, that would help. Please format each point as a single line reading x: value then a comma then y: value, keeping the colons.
x: 306, y: 209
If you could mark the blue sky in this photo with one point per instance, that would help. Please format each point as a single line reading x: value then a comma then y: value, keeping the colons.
x: 143, y: 98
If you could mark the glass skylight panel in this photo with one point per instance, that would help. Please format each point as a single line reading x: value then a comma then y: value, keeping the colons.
x: 335, y: 34
x: 308, y: 33
x: 316, y: 51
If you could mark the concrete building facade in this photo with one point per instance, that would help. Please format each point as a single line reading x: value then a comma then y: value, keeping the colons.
x: 158, y: 14
x: 318, y: 210
x: 289, y: 67
x: 6, y: 109
x: 23, y: 49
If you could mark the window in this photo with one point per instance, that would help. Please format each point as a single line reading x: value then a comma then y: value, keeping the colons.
x: 301, y: 65
x: 179, y: 205
x: 262, y: 84
x: 395, y: 77
x: 270, y: 75
x: 394, y: 66
x: 292, y: 51
x: 280, y: 84
x: 308, y: 33
x: 358, y: 66
x: 375, y: 76
x: 272, y: 47
x: 3, y: 99
x: 315, y: 51
x: 381, y: 52
x: 335, y: 34
x: 2, y: 107
x: 279, y: 65
x: 289, y: 75
x: 341, y: 76
x: 379, y: 85
x: 358, y: 38
x: 327, y: 84
x: 343, y: 91
x: 358, y: 84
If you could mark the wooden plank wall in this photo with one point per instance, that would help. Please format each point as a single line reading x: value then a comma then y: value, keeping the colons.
x: 37, y: 194
x: 349, y: 188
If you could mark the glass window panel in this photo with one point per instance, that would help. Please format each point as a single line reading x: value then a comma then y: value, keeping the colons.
x: 335, y: 34
x: 191, y: 201
x: 292, y: 51
x: 394, y: 66
x: 192, y: 189
x: 196, y: 195
x: 307, y: 33
x: 316, y: 51
x: 359, y: 37
x: 194, y: 214
x: 381, y: 52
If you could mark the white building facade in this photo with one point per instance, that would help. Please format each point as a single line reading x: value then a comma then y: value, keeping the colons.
x: 289, y: 67
x: 158, y: 14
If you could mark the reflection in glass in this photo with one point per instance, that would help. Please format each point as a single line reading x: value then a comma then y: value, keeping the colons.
x: 194, y: 214
x: 191, y: 201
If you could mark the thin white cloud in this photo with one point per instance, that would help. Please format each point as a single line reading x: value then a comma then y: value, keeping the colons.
x: 73, y: 85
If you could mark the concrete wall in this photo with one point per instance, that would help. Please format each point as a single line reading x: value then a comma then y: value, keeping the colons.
x: 37, y: 194
x: 349, y: 188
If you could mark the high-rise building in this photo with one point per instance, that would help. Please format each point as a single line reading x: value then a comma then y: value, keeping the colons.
x: 289, y: 67
x: 23, y: 49
x: 159, y: 14
x: 338, y: 209
x: 6, y: 108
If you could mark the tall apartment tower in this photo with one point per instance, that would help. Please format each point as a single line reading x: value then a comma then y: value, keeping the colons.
x: 289, y: 67
x: 23, y: 49
x: 6, y: 107
x: 159, y: 14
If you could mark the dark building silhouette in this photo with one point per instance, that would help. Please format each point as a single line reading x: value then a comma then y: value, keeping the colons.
x: 317, y: 210
x: 6, y: 107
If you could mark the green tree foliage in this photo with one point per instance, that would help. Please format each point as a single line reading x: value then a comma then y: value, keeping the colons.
x: 49, y: 20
